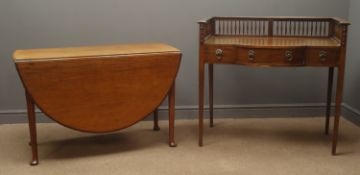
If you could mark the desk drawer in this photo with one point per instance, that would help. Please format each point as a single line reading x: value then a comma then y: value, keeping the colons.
x: 272, y: 57
x: 322, y: 56
x: 221, y: 54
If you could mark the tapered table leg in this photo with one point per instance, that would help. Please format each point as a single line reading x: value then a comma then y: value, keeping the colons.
x: 329, y: 95
x: 172, y: 116
x: 339, y: 95
x: 32, y: 128
x: 211, y: 94
x: 156, y: 120
x: 201, y: 101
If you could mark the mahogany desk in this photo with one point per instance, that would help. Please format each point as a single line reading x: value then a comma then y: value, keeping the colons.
x: 270, y: 42
x: 98, y: 89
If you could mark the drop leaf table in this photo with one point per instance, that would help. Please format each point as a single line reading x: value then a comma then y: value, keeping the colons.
x: 98, y: 89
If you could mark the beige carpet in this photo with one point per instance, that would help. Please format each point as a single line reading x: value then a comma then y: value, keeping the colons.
x: 235, y: 146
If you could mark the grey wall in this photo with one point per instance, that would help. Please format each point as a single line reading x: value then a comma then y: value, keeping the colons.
x: 352, y: 89
x: 53, y: 23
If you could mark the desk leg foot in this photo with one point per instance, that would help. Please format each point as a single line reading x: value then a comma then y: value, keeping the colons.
x: 172, y: 144
x: 156, y: 121
x: 34, y: 162
x: 32, y: 128
x: 156, y: 128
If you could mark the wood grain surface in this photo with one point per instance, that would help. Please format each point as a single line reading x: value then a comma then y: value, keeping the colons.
x: 106, y: 50
x: 99, y: 93
x: 274, y: 41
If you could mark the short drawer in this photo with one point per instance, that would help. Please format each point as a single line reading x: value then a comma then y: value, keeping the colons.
x: 322, y: 56
x: 272, y: 56
x: 221, y: 54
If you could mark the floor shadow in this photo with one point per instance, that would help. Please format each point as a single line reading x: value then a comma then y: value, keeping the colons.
x: 306, y: 135
x: 93, y: 144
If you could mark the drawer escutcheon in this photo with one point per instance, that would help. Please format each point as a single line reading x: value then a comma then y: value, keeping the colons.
x: 219, y: 53
x: 289, y: 55
x: 323, y: 55
x: 251, y: 55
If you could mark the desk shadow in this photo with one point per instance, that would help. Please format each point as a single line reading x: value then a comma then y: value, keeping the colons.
x: 298, y: 135
x: 344, y: 153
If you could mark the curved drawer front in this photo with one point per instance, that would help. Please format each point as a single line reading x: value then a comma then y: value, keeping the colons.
x: 322, y: 56
x: 100, y: 94
x: 272, y: 57
x: 255, y: 56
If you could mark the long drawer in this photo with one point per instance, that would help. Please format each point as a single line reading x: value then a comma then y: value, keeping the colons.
x: 271, y: 56
x: 256, y: 56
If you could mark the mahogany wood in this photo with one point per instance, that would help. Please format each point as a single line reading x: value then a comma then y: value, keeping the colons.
x: 32, y: 129
x: 99, y: 51
x: 273, y: 42
x: 340, y: 85
x: 156, y: 120
x: 99, y: 89
x: 202, y: 33
x: 172, y: 116
x: 329, y: 96
x: 211, y: 94
x: 99, y: 93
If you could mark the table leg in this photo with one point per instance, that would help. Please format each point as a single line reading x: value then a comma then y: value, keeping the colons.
x: 201, y: 101
x: 329, y: 95
x: 32, y: 128
x: 156, y: 120
x: 172, y: 116
x: 338, y: 101
x: 211, y: 94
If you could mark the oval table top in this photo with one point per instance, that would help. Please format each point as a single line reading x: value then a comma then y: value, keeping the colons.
x: 101, y: 88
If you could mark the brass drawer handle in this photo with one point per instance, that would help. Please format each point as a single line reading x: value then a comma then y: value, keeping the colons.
x: 323, y: 55
x: 219, y: 54
x: 289, y: 55
x: 251, y: 55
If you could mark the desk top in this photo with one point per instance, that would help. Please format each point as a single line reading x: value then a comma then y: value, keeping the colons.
x: 272, y: 41
x: 56, y: 53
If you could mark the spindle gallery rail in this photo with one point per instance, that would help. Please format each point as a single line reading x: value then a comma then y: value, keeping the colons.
x: 274, y: 26
x: 274, y: 42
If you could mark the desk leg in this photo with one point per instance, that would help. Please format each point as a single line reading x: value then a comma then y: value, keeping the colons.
x: 211, y: 94
x: 201, y: 101
x: 32, y: 127
x: 172, y: 116
x: 339, y: 95
x: 156, y: 120
x: 329, y: 95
